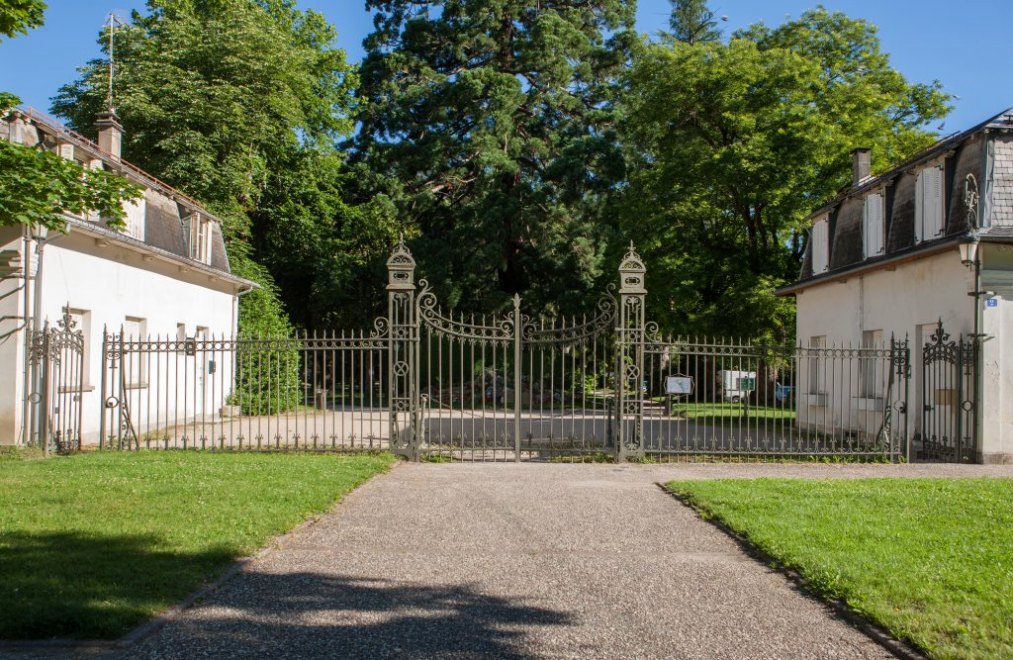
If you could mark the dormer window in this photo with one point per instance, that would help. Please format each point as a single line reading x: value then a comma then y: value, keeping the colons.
x: 873, y: 226
x: 200, y: 238
x: 929, y: 203
x: 820, y: 245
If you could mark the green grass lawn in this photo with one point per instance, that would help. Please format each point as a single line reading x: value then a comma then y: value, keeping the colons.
x: 728, y: 411
x: 930, y: 560
x: 93, y: 544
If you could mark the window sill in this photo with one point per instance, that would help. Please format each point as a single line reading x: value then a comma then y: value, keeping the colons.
x: 76, y: 390
x: 873, y: 403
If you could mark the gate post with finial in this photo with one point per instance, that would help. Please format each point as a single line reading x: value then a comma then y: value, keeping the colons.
x: 630, y: 333
x: 402, y: 353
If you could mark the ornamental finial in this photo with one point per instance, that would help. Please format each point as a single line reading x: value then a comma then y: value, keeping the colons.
x: 631, y: 272
x: 401, y: 267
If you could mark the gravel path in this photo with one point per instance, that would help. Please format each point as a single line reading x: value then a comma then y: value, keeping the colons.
x: 509, y: 561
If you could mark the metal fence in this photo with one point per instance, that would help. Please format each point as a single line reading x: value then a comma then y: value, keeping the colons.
x: 314, y: 392
x: 717, y: 397
x: 432, y: 384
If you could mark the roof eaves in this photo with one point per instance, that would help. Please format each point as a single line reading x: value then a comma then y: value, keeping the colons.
x: 909, y: 254
x: 97, y: 231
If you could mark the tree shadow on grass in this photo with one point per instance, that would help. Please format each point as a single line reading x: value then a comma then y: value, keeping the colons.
x: 308, y: 614
x: 78, y: 586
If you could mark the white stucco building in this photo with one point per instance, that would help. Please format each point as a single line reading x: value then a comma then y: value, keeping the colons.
x: 930, y: 242
x: 166, y: 274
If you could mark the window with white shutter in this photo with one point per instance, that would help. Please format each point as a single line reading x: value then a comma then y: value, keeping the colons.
x: 873, y: 233
x: 929, y: 204
x: 820, y: 246
x: 200, y: 238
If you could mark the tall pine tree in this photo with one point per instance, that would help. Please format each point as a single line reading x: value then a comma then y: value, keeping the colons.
x: 497, y: 118
x: 692, y: 21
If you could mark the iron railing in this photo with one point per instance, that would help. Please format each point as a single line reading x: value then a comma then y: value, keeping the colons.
x: 432, y: 384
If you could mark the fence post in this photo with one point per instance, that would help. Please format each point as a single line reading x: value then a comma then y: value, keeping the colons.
x: 630, y: 332
x: 44, y: 380
x: 402, y: 353
x: 518, y: 323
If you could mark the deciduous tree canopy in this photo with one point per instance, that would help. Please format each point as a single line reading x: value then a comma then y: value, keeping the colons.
x: 240, y: 103
x: 732, y: 144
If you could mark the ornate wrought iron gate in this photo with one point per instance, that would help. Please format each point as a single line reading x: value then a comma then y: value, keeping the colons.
x: 949, y: 398
x: 510, y: 387
x: 56, y: 377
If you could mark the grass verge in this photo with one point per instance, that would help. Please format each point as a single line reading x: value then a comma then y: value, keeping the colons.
x: 929, y: 560
x: 93, y: 544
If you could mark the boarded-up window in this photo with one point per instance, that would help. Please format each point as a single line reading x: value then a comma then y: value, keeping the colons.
x: 820, y: 246
x: 873, y: 225
x: 929, y: 204
x: 134, y: 360
x: 871, y: 377
x: 817, y: 372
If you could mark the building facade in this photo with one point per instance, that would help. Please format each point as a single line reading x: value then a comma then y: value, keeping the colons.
x: 165, y: 275
x: 923, y: 253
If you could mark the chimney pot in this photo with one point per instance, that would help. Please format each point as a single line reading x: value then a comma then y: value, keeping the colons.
x: 110, y: 133
x: 861, y: 165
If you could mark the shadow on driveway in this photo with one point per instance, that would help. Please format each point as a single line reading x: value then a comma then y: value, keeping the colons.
x: 312, y: 614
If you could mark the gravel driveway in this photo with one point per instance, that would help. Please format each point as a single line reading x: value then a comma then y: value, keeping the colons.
x: 509, y: 561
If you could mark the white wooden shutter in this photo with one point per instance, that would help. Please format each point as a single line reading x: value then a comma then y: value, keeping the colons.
x: 919, y: 207
x: 935, y: 201
x: 929, y: 204
x: 820, y: 253
x: 873, y: 229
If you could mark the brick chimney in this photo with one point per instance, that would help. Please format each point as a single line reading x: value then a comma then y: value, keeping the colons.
x: 861, y: 165
x: 110, y: 133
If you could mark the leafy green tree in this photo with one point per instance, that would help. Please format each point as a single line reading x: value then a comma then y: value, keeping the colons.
x: 692, y: 22
x: 36, y: 186
x: 734, y: 144
x: 236, y: 102
x: 19, y: 16
x: 498, y: 119
x: 239, y: 103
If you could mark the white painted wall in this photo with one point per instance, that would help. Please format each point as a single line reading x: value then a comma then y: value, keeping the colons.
x: 997, y: 354
x: 909, y: 301
x: 11, y: 343
x: 113, y: 283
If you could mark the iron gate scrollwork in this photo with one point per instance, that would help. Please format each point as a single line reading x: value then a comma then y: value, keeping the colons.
x: 949, y: 398
x: 56, y: 368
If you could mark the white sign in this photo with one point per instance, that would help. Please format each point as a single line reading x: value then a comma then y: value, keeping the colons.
x: 678, y: 385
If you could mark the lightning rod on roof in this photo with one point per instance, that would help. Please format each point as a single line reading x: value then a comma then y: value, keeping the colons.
x: 111, y: 23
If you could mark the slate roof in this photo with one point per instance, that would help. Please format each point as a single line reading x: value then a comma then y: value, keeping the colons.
x: 964, y: 153
x: 166, y: 229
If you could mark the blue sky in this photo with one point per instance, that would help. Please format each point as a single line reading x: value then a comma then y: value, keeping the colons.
x: 965, y: 45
